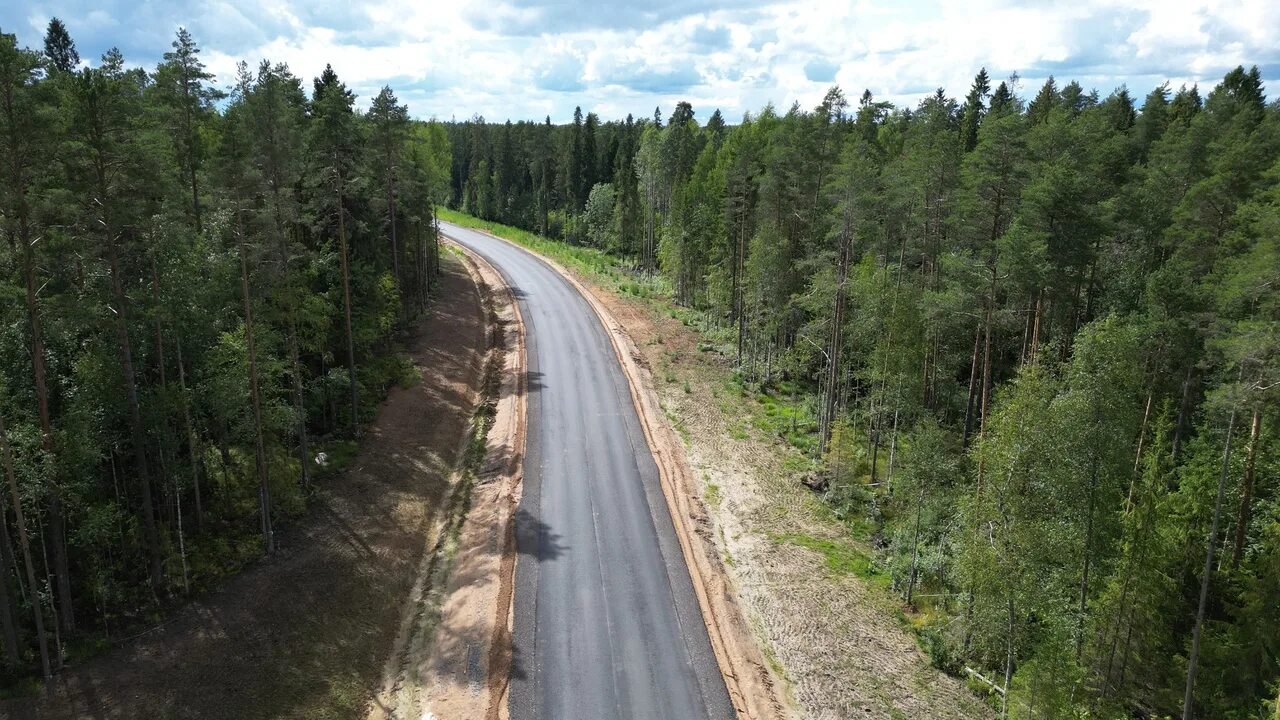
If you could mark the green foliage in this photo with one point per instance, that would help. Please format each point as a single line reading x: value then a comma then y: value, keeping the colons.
x: 1017, y: 327
x: 598, y: 217
x: 186, y: 305
x: 840, y: 556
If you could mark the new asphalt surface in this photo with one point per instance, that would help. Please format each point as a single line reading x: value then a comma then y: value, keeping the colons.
x: 606, y: 622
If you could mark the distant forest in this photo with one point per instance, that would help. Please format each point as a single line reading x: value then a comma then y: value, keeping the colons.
x: 202, y: 293
x: 1042, y: 341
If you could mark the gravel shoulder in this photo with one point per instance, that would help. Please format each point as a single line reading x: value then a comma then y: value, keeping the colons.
x: 453, y: 656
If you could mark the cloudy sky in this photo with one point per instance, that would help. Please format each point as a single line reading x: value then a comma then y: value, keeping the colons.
x: 529, y: 58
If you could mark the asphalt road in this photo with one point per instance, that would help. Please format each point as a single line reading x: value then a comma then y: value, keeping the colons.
x: 606, y: 622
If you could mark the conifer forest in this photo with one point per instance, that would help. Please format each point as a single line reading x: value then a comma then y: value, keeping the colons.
x: 201, y: 292
x: 1033, y: 333
x: 1041, y: 332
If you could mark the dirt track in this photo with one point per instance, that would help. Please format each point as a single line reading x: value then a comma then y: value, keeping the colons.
x: 306, y: 634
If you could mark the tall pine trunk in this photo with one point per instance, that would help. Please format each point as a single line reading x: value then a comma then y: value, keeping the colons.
x: 915, y: 549
x: 395, y: 243
x: 295, y: 361
x: 12, y: 653
x: 973, y: 386
x: 195, y: 199
x: 61, y: 571
x: 24, y: 542
x: 193, y: 441
x: 1246, y: 492
x: 831, y: 387
x: 1188, y: 698
x: 137, y: 431
x: 1137, y: 455
x: 739, y: 263
x: 255, y: 398
x: 986, y: 376
x: 346, y: 307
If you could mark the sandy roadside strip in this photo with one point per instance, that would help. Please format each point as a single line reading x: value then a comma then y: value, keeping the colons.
x: 751, y: 685
x: 457, y: 665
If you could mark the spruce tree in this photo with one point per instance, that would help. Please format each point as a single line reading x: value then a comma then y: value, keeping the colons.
x: 974, y: 109
x: 59, y: 48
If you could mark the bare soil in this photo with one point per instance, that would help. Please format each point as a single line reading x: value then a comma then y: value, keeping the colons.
x: 306, y: 633
x: 837, y: 643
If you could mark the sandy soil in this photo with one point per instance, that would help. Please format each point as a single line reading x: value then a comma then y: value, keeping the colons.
x: 460, y: 668
x: 306, y: 633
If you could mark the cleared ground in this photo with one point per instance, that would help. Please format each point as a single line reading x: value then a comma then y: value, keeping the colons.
x: 307, y: 633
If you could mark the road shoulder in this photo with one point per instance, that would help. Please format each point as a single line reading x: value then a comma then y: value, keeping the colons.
x: 454, y: 651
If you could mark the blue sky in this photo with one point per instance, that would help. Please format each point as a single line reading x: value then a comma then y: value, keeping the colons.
x: 529, y: 58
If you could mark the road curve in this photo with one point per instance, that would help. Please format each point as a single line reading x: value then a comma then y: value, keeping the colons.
x: 606, y: 621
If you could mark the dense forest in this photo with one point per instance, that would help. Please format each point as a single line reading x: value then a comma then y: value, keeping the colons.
x: 1041, y: 338
x: 202, y: 294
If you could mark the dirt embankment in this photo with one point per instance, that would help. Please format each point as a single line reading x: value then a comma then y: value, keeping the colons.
x: 454, y: 654
x: 306, y: 633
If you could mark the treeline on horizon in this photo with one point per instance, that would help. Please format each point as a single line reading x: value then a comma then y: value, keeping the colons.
x: 1041, y: 338
x: 202, y: 293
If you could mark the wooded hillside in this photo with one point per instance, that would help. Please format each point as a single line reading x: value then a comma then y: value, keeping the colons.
x: 202, y: 295
x: 1041, y: 341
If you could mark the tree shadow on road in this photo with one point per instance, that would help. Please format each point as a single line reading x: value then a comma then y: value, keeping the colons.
x: 536, y: 539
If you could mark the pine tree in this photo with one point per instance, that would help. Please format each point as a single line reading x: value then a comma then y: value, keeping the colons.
x: 333, y: 147
x: 189, y: 96
x: 1045, y: 101
x: 390, y: 127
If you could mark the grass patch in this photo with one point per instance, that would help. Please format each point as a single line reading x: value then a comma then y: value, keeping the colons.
x: 338, y: 455
x: 618, y: 274
x: 712, y: 495
x: 842, y: 557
